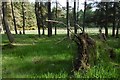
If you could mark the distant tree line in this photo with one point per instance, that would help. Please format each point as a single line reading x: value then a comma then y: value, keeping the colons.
x: 25, y: 15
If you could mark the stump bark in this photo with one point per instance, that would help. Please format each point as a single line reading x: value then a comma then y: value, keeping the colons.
x: 86, y: 55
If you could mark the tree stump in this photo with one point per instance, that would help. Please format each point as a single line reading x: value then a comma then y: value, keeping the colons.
x: 86, y: 55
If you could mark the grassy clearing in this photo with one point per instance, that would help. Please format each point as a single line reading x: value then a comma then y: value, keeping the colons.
x: 43, y: 58
x: 34, y: 57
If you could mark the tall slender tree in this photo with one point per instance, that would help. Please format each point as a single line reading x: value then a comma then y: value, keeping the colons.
x: 42, y: 18
x: 14, y: 21
x: 85, y: 4
x: 114, y: 19
x: 67, y: 17
x: 37, y: 16
x: 75, y: 27
x: 56, y: 17
x: 6, y: 26
x: 49, y: 18
x: 118, y: 19
x: 106, y: 18
x: 117, y: 32
x: 77, y: 19
x: 23, y: 12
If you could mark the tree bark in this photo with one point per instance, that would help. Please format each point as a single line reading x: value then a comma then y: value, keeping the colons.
x: 56, y: 18
x: 23, y: 12
x: 37, y: 16
x: 117, y: 32
x: 84, y: 16
x: 106, y: 22
x: 77, y: 19
x: 67, y: 18
x: 4, y: 10
x: 114, y: 22
x: 42, y: 18
x: 49, y: 18
x: 75, y: 27
x: 86, y: 55
x: 118, y: 21
x: 14, y: 21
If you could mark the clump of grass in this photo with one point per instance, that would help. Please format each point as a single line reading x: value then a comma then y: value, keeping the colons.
x: 99, y: 71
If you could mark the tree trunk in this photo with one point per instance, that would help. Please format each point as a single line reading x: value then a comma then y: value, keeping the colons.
x: 4, y: 10
x: 86, y: 55
x: 118, y: 21
x: 114, y: 22
x: 56, y: 18
x: 106, y: 22
x: 42, y: 18
x: 117, y: 32
x: 49, y: 18
x: 13, y: 17
x: 75, y: 27
x: 84, y: 16
x: 23, y: 12
x: 67, y: 18
x: 37, y: 16
x: 77, y: 12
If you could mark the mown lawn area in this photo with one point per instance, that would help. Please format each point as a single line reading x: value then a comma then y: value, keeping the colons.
x: 44, y: 57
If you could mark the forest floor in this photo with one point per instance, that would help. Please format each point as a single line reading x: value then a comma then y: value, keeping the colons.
x: 33, y: 57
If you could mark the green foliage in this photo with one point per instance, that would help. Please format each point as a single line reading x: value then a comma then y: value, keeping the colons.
x: 29, y: 15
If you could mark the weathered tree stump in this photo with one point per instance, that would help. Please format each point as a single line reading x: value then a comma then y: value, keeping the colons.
x: 86, y: 55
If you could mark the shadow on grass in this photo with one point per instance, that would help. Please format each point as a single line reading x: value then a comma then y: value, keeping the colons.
x: 7, y: 46
x: 47, y: 66
x: 17, y: 62
x: 40, y: 70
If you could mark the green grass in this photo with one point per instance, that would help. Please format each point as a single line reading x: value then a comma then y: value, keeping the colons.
x: 105, y: 67
x: 34, y: 57
x: 43, y: 59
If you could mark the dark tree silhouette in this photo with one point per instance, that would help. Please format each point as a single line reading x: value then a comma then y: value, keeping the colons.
x: 67, y: 17
x: 118, y: 19
x: 106, y: 17
x: 49, y: 18
x: 42, y: 18
x: 37, y: 16
x: 6, y: 26
x: 23, y: 12
x: 117, y: 32
x: 75, y: 21
x: 114, y: 19
x: 56, y: 17
x: 85, y: 4
x: 14, y: 21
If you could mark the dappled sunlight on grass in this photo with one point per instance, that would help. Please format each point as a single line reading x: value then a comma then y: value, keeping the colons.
x: 18, y: 44
x: 44, y: 57
x: 37, y: 59
x: 38, y: 65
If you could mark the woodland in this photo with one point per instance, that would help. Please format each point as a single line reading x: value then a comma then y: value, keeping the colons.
x: 44, y: 39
